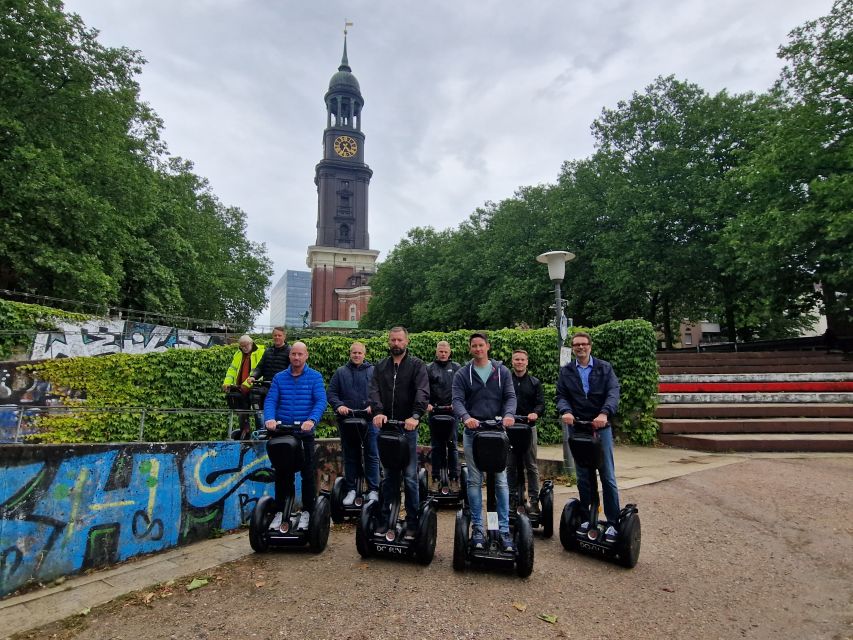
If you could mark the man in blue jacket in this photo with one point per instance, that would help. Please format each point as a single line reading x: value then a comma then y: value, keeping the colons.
x: 349, y: 390
x: 296, y: 395
x: 482, y: 390
x: 587, y: 389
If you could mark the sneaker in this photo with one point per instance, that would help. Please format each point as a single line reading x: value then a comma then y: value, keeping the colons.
x: 349, y: 499
x: 373, y: 495
x: 276, y: 521
x: 436, y: 484
x: 533, y: 509
x: 506, y: 542
x: 303, y: 521
x: 584, y: 527
x: 478, y: 540
x: 454, y: 484
x: 411, y: 532
x: 610, y: 534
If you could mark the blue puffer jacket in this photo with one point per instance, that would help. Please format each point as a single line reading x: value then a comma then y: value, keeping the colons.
x: 291, y: 399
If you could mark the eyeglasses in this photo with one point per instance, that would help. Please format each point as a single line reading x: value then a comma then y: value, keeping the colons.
x: 575, y: 345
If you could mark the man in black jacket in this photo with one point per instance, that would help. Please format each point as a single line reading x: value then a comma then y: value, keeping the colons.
x: 441, y: 372
x: 531, y: 404
x: 399, y: 390
x: 276, y: 358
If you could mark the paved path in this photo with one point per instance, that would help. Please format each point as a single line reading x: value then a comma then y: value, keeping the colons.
x: 635, y: 466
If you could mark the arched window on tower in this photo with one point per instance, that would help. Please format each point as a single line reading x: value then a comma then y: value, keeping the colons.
x: 343, y: 233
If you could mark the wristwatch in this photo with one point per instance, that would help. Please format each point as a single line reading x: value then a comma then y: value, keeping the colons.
x: 416, y: 416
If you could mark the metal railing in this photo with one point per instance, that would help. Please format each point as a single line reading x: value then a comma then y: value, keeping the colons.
x: 28, y: 413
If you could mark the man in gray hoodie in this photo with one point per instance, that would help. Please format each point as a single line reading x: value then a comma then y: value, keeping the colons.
x: 483, y: 390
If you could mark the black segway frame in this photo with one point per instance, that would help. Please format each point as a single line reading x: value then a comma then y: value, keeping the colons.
x: 442, y: 425
x: 490, y: 449
x: 586, y: 448
x: 354, y: 429
x: 394, y: 452
x: 316, y: 536
x: 520, y: 440
x: 257, y: 395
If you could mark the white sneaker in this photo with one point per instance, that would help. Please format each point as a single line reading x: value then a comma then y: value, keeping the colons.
x: 276, y: 521
x: 303, y: 521
x: 610, y: 534
x: 373, y: 495
x: 350, y: 498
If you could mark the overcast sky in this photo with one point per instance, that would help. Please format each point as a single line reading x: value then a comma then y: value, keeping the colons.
x: 465, y: 102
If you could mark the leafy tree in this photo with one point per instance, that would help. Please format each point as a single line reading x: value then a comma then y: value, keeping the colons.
x: 796, y: 230
x: 96, y: 209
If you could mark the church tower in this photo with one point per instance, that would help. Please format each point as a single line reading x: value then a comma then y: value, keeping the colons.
x: 341, y: 261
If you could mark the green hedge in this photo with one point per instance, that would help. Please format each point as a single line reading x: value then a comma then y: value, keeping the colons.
x: 20, y: 322
x: 192, y: 379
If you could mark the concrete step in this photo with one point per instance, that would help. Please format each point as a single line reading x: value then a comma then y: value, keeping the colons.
x: 752, y: 356
x: 725, y: 398
x: 755, y: 410
x: 833, y: 443
x: 838, y: 376
x: 751, y: 367
x: 757, y: 425
x: 755, y: 387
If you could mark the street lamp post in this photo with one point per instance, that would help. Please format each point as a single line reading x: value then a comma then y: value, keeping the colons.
x: 556, y: 261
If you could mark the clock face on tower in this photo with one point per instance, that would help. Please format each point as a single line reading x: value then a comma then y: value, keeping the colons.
x: 345, y: 146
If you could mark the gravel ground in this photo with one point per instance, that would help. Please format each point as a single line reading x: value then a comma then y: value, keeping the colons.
x: 759, y: 549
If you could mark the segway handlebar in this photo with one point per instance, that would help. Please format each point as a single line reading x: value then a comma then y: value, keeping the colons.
x: 281, y: 429
x: 442, y: 410
x: 358, y: 413
x: 519, y: 419
x: 493, y: 424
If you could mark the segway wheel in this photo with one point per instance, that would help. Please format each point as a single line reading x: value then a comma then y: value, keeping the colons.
x: 337, y: 501
x: 460, y: 542
x: 235, y: 434
x: 259, y: 524
x: 423, y: 485
x: 573, y: 516
x: 364, y: 528
x: 318, y: 528
x: 628, y: 547
x: 427, y: 533
x: 546, y: 514
x: 524, y: 546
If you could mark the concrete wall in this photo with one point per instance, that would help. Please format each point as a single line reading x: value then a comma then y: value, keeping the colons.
x: 68, y: 508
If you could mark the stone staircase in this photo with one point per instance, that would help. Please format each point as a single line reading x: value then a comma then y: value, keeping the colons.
x: 756, y: 401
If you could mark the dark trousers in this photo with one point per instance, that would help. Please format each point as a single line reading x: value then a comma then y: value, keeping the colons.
x: 284, y: 482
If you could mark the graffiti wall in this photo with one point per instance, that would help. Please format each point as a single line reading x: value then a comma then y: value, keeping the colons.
x: 101, y: 337
x: 68, y: 508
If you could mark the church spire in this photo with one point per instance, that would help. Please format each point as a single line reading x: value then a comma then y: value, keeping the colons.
x: 344, y: 61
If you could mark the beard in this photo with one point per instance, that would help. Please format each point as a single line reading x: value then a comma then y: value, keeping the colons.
x: 397, y: 351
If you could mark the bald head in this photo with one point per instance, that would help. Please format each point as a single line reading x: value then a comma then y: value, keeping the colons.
x: 298, y: 358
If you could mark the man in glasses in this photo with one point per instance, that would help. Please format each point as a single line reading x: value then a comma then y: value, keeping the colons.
x: 587, y: 389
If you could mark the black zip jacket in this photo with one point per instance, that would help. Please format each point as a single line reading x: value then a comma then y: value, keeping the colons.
x: 441, y: 382
x: 528, y: 394
x: 400, y: 391
x: 273, y: 361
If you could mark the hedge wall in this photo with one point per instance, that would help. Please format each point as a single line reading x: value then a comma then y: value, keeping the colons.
x: 19, y: 323
x: 188, y: 378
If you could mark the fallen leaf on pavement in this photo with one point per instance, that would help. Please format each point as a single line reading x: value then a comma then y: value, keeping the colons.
x: 147, y: 597
x: 547, y: 617
x: 521, y: 606
x: 85, y: 612
x: 260, y: 583
x: 196, y: 583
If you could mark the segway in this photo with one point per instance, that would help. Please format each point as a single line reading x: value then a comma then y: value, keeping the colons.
x: 580, y: 529
x: 490, y: 449
x: 442, y: 425
x: 520, y: 437
x: 257, y: 394
x: 353, y: 434
x: 394, y: 453
x: 286, y: 455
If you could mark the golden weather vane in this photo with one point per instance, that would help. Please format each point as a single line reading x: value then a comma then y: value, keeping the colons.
x: 347, y: 23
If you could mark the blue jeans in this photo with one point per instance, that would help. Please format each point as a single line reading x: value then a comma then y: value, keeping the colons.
x: 607, y: 473
x: 352, y: 461
x: 410, y: 482
x: 444, y: 453
x: 475, y: 487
